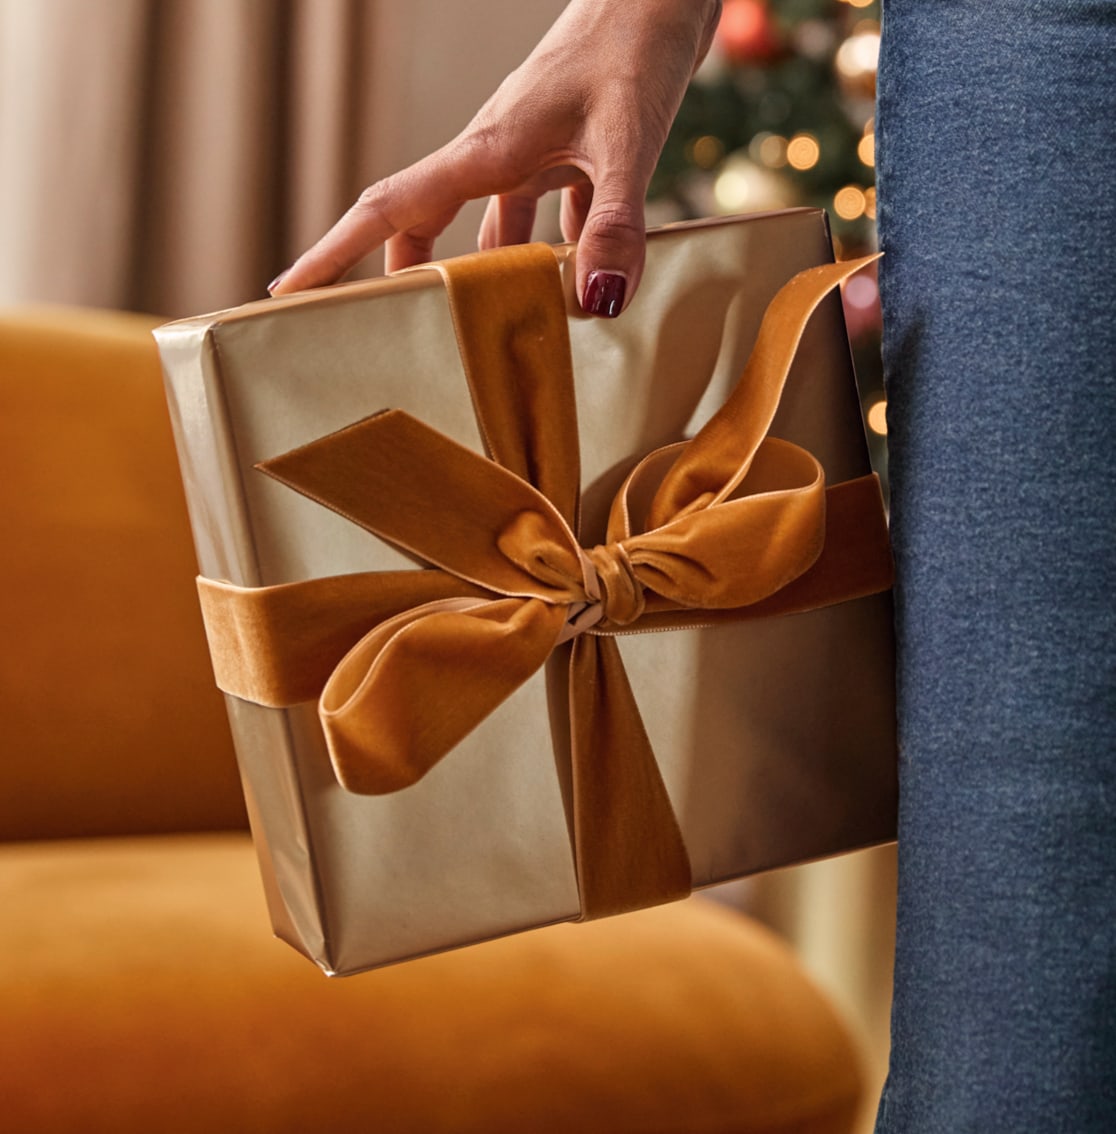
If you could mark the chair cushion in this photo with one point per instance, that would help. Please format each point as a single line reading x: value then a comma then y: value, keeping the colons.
x: 141, y: 991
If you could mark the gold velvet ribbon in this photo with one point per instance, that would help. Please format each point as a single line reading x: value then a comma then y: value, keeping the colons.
x: 729, y: 525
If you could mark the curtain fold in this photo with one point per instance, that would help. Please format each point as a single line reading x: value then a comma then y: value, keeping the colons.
x: 173, y: 155
x: 68, y: 147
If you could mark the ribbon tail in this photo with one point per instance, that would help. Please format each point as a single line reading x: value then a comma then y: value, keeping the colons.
x: 709, y: 469
x: 628, y: 846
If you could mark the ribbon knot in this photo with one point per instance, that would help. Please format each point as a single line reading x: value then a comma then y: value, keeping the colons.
x: 622, y: 598
x: 598, y: 585
x: 408, y: 663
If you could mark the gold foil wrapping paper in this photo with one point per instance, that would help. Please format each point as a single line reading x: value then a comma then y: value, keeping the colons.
x: 774, y: 737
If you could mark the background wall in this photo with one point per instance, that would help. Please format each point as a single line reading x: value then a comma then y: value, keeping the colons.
x: 173, y: 155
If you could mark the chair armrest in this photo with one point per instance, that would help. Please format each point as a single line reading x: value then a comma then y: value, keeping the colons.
x: 110, y: 721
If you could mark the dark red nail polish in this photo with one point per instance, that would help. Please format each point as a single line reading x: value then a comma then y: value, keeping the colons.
x: 278, y: 280
x: 604, y: 294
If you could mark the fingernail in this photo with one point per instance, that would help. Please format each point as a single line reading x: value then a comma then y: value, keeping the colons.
x: 604, y: 293
x: 278, y: 280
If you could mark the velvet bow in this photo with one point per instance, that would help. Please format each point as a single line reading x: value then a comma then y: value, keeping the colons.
x: 731, y: 523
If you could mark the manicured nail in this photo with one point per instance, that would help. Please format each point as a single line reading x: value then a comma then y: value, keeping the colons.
x: 278, y: 280
x: 604, y: 293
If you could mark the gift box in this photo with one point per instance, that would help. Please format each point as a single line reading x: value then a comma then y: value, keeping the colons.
x: 525, y: 616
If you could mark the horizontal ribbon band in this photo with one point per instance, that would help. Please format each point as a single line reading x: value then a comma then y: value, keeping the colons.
x: 734, y: 524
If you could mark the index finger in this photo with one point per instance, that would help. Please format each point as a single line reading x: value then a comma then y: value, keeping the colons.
x: 407, y: 200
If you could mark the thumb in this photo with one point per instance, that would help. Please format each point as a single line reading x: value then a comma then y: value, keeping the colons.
x: 611, y: 247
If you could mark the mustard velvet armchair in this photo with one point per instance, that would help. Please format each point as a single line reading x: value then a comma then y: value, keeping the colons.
x: 140, y: 988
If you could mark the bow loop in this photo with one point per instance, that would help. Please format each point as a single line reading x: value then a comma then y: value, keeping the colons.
x: 528, y: 540
x: 720, y: 550
x: 465, y: 655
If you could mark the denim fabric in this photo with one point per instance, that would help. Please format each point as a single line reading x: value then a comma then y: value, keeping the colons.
x: 996, y: 148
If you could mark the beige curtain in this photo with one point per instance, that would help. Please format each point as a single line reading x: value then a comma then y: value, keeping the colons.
x: 173, y: 155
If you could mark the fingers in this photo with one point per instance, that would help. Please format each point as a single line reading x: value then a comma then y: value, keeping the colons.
x: 416, y: 246
x: 508, y: 219
x: 606, y: 221
x: 607, y: 224
x: 408, y: 209
x: 576, y: 202
x: 363, y: 228
x: 611, y: 247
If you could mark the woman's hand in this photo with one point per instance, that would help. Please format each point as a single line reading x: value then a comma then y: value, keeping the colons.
x: 588, y: 113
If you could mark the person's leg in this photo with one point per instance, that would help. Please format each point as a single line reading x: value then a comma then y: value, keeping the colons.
x: 996, y: 143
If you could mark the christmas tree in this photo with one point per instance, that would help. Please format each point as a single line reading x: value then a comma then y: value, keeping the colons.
x: 781, y: 114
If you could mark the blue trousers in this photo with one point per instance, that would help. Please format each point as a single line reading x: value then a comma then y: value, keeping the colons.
x: 996, y: 152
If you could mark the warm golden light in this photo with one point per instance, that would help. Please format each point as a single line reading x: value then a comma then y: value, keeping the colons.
x: 859, y: 54
x: 866, y: 150
x: 877, y: 417
x: 870, y: 203
x: 857, y: 3
x: 742, y: 187
x: 849, y: 203
x: 731, y: 190
x: 705, y: 152
x: 769, y: 149
x: 803, y: 151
